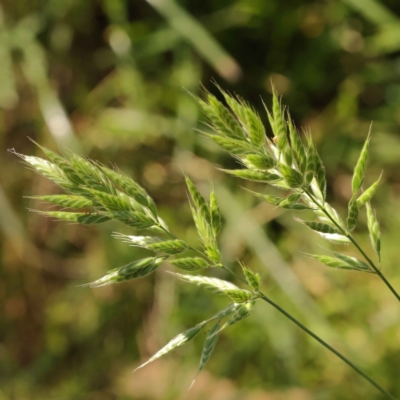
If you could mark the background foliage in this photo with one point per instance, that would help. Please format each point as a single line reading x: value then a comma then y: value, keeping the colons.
x: 109, y: 79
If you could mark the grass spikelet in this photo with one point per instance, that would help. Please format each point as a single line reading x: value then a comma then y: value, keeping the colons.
x: 47, y: 169
x: 217, y: 286
x: 176, y: 342
x: 292, y: 177
x: 215, y: 214
x: 352, y: 217
x: 222, y: 119
x: 190, y: 263
x: 199, y: 202
x: 131, y: 188
x: 320, y: 175
x: 233, y: 146
x: 297, y: 145
x: 311, y: 161
x: 359, y: 170
x: 155, y: 243
x: 243, y: 311
x: 79, y: 218
x: 279, y: 127
x: 342, y: 262
x: 259, y: 161
x: 208, y: 347
x: 255, y: 128
x: 368, y: 194
x: 133, y: 270
x: 320, y: 227
x: 253, y: 279
x: 92, y: 176
x: 134, y: 219
x: 374, y: 230
x: 257, y: 176
x: 65, y: 200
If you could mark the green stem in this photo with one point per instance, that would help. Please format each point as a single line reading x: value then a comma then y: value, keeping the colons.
x: 351, y: 238
x: 326, y: 345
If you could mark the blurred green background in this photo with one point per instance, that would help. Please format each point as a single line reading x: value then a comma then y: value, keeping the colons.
x: 110, y: 79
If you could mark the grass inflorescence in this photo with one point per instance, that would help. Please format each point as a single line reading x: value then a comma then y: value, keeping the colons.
x: 95, y: 194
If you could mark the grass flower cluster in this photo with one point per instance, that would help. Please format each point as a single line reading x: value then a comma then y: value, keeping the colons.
x: 95, y: 194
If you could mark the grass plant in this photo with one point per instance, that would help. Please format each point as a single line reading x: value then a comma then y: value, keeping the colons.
x: 95, y: 194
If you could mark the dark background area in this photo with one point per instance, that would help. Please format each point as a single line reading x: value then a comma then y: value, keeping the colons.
x: 110, y: 80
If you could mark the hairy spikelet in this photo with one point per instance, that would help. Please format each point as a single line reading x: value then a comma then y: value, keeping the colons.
x: 215, y: 214
x: 311, y: 161
x: 190, y: 263
x: 320, y: 176
x: 359, y: 170
x: 222, y: 119
x: 218, y: 286
x: 133, y: 270
x: 154, y: 243
x: 292, y: 177
x: 320, y: 227
x: 233, y: 146
x: 47, y: 169
x: 134, y: 219
x: 255, y: 128
x: 208, y: 347
x: 131, y: 188
x: 242, y: 312
x: 341, y: 262
x: 368, y: 194
x: 259, y: 161
x: 176, y: 342
x: 257, y: 176
x: 92, y: 176
x: 253, y: 279
x: 199, y: 202
x: 279, y: 126
x: 374, y: 230
x: 64, y: 200
x: 297, y: 145
x: 352, y: 217
x: 79, y: 218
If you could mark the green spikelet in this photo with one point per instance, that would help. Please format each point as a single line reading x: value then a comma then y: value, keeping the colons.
x: 134, y: 219
x: 79, y: 218
x: 279, y: 127
x: 311, y: 161
x: 253, y: 279
x: 255, y: 128
x: 298, y: 147
x: 190, y: 263
x: 259, y: 161
x: 208, y: 348
x: 374, y: 231
x: 233, y: 146
x: 320, y: 175
x: 293, y: 178
x: 133, y: 270
x: 257, y: 176
x: 222, y: 119
x: 199, y: 202
x: 176, y: 342
x: 64, y: 200
x: 359, y: 170
x: 215, y: 215
x: 320, y: 227
x: 368, y: 194
x: 352, y: 217
x: 92, y: 176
